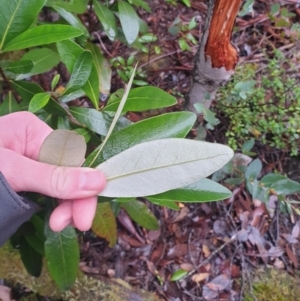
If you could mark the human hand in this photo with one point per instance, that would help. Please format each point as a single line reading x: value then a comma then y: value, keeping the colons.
x: 21, y: 136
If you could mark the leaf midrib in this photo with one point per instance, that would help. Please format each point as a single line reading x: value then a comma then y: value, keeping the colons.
x: 8, y: 25
x: 158, y: 167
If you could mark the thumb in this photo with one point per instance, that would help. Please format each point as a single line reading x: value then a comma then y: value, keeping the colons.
x: 24, y: 174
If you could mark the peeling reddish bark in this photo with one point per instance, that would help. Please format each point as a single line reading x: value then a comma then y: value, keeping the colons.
x: 218, y: 45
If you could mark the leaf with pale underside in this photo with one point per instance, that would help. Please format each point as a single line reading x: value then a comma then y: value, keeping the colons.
x: 63, y: 148
x: 161, y: 165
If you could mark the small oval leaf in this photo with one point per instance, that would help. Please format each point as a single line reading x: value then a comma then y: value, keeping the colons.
x: 63, y: 148
x: 141, y: 214
x: 179, y: 275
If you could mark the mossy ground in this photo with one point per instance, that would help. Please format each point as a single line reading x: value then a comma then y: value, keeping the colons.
x: 273, y: 285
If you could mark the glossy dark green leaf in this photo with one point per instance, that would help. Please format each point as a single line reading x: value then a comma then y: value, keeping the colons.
x: 103, y: 68
x: 69, y: 51
x: 93, y: 119
x: 37, y: 240
x: 17, y: 16
x: 204, y: 190
x: 129, y: 21
x: 9, y: 105
x: 71, y: 19
x: 107, y: 19
x: 171, y: 125
x: 164, y: 203
x: 55, y: 81
x: 41, y: 35
x: 38, y: 101
x: 144, y: 98
x: 141, y: 214
x: 19, y: 67
x: 26, y: 89
x: 31, y: 259
x: 81, y: 72
x: 91, y: 87
x: 43, y: 60
x: 104, y: 224
x: 143, y: 4
x: 75, y: 6
x: 62, y: 256
x: 63, y: 148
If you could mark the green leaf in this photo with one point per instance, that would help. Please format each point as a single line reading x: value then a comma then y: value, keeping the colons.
x: 75, y: 6
x: 161, y: 165
x: 164, y: 203
x: 107, y: 19
x: 171, y: 125
x: 69, y: 51
x: 143, y: 99
x: 129, y: 21
x: 26, y: 90
x: 269, y: 179
x: 87, y: 134
x: 253, y: 169
x: 62, y: 255
x: 81, y: 72
x: 103, y: 68
x: 41, y: 35
x: 63, y: 148
x: 30, y: 258
x: 179, y: 274
x: 19, y: 67
x: 71, y: 19
x: 37, y: 240
x: 104, y: 224
x: 9, y: 105
x: 248, y: 145
x: 54, y: 81
x: 142, y: 4
x: 94, y: 120
x: 43, y: 60
x: 91, y: 87
x: 286, y: 186
x: 16, y: 16
x: 204, y: 190
x: 38, y: 101
x: 141, y: 214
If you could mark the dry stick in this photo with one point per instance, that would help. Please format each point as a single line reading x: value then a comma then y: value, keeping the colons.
x: 102, y: 44
x: 232, y: 239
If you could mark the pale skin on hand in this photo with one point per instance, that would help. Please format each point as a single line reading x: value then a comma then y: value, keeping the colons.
x: 21, y: 136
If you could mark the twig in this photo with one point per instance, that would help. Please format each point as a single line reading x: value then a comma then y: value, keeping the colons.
x: 232, y: 239
x: 102, y: 44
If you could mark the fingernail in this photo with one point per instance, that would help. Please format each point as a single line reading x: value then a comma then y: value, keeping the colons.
x: 92, y: 181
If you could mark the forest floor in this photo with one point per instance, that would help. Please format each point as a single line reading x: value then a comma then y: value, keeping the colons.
x: 222, y: 245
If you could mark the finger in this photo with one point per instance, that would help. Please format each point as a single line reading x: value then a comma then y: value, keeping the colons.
x: 84, y: 212
x: 61, y: 216
x: 24, y: 174
x: 23, y: 133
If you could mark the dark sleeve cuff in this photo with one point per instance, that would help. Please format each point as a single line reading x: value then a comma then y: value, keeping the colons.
x: 14, y: 210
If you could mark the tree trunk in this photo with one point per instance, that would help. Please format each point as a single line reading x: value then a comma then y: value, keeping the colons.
x: 216, y: 57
